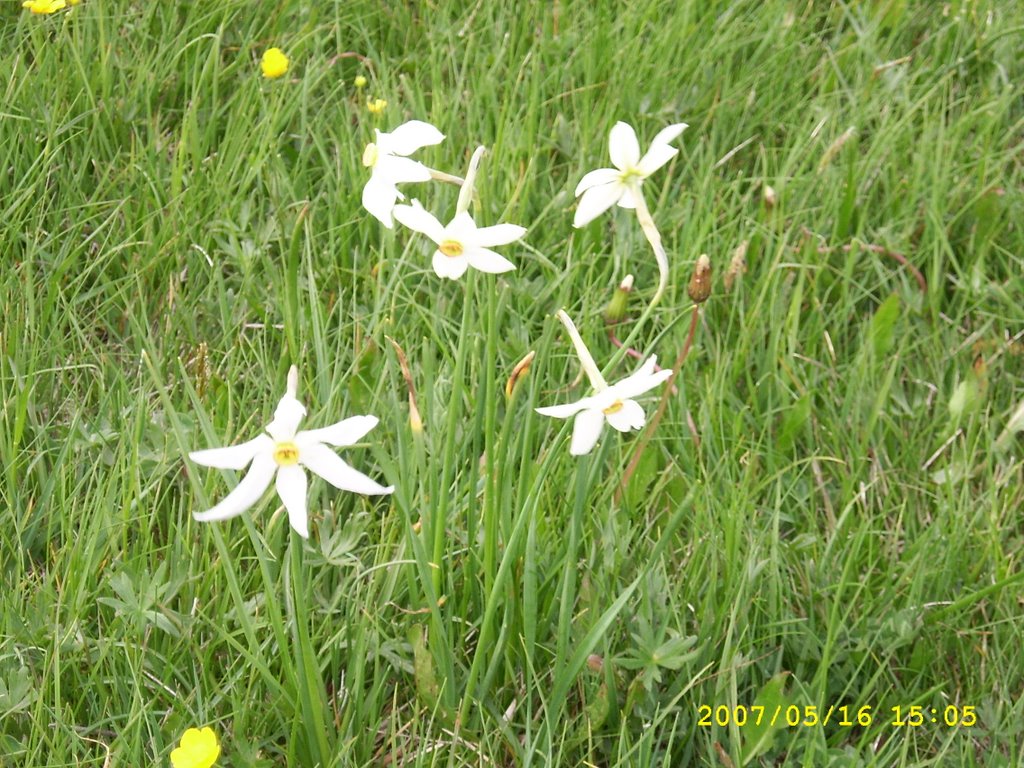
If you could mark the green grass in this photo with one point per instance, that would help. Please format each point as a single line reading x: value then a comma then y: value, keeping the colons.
x: 175, y: 232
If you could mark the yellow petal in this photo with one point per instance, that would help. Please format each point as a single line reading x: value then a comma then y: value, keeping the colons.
x: 199, y: 749
x: 274, y: 63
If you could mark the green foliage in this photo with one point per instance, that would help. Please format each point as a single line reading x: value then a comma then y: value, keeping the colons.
x: 828, y: 514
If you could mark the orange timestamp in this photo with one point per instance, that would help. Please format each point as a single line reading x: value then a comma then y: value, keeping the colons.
x: 810, y: 715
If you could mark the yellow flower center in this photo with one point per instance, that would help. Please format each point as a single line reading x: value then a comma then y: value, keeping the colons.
x: 286, y: 454
x: 631, y: 174
x: 370, y: 155
x: 450, y: 248
x: 613, y: 408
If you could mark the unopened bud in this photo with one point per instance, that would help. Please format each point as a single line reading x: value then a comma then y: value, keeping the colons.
x: 522, y: 368
x: 360, y: 81
x: 415, y: 421
x: 595, y: 663
x: 700, y: 284
x: 616, y: 309
x: 769, y: 196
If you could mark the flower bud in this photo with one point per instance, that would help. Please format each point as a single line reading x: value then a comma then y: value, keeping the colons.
x: 616, y: 309
x: 360, y: 81
x: 769, y: 196
x: 700, y: 284
x: 737, y: 265
x: 522, y: 368
x: 415, y: 421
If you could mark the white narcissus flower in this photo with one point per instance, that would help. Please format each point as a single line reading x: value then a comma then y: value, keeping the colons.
x: 603, y: 188
x: 610, y: 402
x: 389, y: 164
x: 461, y: 244
x: 285, y: 452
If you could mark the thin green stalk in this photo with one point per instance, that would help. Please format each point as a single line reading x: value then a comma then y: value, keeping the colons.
x: 312, y: 696
x: 490, y: 443
x: 567, y: 601
x: 449, y: 458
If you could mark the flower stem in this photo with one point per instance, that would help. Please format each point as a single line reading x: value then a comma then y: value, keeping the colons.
x: 312, y: 696
x: 490, y: 444
x: 466, y: 193
x: 439, y: 519
x: 662, y: 404
x: 442, y: 176
x: 643, y: 214
x: 586, y: 359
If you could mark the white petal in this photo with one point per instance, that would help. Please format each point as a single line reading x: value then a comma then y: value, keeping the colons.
x: 379, y: 198
x: 345, y: 432
x: 398, y: 170
x: 232, y: 457
x: 487, y: 260
x: 418, y: 219
x: 623, y: 146
x: 451, y: 267
x: 630, y: 416
x: 499, y: 234
x: 596, y: 201
x: 669, y: 134
x: 462, y: 228
x: 596, y: 178
x: 410, y: 136
x: 322, y: 461
x: 287, y: 415
x: 291, y: 487
x: 643, y: 380
x: 628, y: 199
x: 656, y: 156
x: 564, y: 411
x: 585, y: 431
x: 245, y: 494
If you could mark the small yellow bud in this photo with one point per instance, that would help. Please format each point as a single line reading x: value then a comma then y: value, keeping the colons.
x: 376, y: 106
x: 360, y: 81
x: 274, y: 63
x: 700, y: 284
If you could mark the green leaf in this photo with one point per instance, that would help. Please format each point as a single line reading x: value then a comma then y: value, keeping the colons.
x: 674, y: 653
x: 793, y: 423
x: 883, y: 326
x: 759, y: 737
x: 423, y: 664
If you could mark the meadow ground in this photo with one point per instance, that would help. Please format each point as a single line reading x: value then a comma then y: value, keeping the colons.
x: 826, y: 523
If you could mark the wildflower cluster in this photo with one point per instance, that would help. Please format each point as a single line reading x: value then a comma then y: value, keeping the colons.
x: 282, y: 453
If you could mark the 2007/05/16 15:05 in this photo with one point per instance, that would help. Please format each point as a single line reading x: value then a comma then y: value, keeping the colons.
x: 809, y: 716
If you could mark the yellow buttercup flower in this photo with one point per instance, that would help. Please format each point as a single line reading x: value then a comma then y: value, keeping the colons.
x: 274, y: 63
x: 376, y: 106
x: 360, y: 81
x: 44, y: 6
x: 198, y: 749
